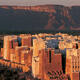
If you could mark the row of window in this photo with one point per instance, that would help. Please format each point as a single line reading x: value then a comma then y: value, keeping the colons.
x: 76, y: 66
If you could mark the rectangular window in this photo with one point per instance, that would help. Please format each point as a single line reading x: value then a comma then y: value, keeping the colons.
x: 12, y: 43
x: 19, y: 41
x: 49, y: 56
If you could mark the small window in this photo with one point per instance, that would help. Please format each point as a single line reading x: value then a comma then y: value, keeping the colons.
x: 75, y: 66
x: 76, y: 46
x: 78, y: 66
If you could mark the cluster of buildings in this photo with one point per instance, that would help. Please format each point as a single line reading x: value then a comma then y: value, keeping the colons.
x: 42, y: 54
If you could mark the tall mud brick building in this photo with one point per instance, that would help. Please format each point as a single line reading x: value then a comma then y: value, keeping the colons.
x: 18, y: 49
x: 73, y: 63
x: 46, y: 65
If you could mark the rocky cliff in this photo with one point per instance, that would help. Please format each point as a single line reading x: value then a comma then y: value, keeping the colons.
x: 44, y: 17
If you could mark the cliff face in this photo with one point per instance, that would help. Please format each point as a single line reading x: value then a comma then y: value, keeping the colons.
x: 46, y: 17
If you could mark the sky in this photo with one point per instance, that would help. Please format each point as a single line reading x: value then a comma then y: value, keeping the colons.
x: 39, y: 2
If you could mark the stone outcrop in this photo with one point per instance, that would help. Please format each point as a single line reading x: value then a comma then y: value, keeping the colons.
x: 43, y: 17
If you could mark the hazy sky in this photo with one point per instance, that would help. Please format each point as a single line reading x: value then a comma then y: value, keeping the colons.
x: 39, y: 2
